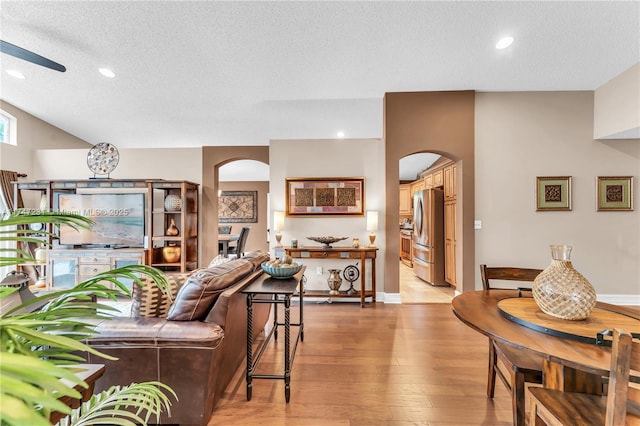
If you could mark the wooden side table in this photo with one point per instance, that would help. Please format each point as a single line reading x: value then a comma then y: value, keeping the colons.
x: 90, y: 373
x: 280, y: 291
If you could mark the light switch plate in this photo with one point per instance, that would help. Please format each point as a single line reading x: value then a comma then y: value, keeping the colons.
x: 477, y: 224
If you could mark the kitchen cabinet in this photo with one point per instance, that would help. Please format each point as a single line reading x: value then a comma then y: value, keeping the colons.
x: 450, y: 211
x: 406, y: 247
x: 437, y: 179
x: 406, y: 202
x: 450, y: 242
x: 416, y: 186
x: 428, y: 181
x: 450, y: 182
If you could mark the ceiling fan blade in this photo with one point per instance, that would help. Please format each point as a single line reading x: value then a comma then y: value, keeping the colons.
x: 19, y: 52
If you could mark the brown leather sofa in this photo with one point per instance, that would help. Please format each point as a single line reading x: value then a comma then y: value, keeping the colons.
x: 196, y: 350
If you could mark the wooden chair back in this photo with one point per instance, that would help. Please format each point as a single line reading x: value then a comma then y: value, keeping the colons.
x: 506, y: 273
x: 625, y: 357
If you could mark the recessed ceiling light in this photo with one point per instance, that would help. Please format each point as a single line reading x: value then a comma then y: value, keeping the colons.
x: 16, y: 74
x: 340, y: 134
x: 107, y: 72
x: 504, y: 42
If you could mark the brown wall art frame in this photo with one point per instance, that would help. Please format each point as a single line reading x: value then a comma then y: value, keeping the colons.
x: 238, y: 207
x: 325, y: 196
x: 614, y: 193
x: 553, y: 193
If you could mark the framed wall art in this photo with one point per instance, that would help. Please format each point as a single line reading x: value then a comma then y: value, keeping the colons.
x: 238, y: 207
x: 615, y: 193
x: 325, y: 196
x: 553, y: 193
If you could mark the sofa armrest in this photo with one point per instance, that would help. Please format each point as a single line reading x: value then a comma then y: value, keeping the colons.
x: 157, y: 332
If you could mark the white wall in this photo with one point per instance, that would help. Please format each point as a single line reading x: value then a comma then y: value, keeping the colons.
x: 617, y: 107
x: 523, y: 135
x: 330, y: 158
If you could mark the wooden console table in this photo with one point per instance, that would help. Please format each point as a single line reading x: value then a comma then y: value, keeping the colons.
x: 362, y: 253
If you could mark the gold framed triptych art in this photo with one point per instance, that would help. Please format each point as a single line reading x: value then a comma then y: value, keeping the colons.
x: 325, y: 196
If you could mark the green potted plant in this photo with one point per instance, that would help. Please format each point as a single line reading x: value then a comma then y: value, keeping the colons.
x: 39, y: 348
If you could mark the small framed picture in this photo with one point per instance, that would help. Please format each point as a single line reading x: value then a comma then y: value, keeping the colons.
x: 553, y: 193
x: 615, y: 193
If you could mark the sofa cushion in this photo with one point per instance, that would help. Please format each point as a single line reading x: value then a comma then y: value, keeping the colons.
x: 218, y: 260
x: 148, y: 301
x: 202, y: 288
x: 256, y: 258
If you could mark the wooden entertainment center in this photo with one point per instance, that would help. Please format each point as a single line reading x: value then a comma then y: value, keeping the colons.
x: 69, y: 265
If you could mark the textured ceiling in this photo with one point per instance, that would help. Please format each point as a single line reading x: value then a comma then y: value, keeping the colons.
x: 241, y: 73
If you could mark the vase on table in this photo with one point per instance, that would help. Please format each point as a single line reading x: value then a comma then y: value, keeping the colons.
x: 171, y: 253
x: 561, y: 291
x: 173, y: 203
x: 334, y: 281
x: 172, y: 230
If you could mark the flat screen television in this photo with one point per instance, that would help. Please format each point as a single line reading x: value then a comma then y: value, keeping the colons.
x: 119, y: 219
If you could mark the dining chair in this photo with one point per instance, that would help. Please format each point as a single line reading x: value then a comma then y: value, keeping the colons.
x: 238, y: 249
x: 621, y: 405
x: 523, y: 366
x: 224, y: 229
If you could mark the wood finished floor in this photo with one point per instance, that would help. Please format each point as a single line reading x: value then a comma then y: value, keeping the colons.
x: 382, y: 365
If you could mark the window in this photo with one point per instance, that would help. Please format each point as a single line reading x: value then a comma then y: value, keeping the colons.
x: 8, y: 128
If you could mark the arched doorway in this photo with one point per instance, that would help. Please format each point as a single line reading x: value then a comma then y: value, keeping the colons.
x: 213, y: 158
x: 417, y: 172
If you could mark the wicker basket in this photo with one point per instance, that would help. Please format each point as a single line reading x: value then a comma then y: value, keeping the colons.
x: 561, y: 291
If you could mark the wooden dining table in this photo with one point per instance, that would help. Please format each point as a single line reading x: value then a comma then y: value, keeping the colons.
x: 223, y: 243
x: 573, y: 358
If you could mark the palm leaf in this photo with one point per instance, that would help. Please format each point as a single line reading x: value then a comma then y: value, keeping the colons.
x: 34, y: 346
x: 123, y: 405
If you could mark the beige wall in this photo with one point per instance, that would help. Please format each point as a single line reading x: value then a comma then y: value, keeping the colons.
x: 332, y: 158
x: 439, y: 122
x: 33, y: 134
x: 150, y: 163
x: 258, y: 235
x: 617, y: 107
x: 523, y: 135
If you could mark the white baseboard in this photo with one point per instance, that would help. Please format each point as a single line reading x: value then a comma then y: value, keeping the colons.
x: 391, y: 298
x: 620, y: 299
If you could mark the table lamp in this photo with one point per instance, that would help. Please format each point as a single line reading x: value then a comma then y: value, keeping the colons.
x: 278, y: 225
x: 372, y: 225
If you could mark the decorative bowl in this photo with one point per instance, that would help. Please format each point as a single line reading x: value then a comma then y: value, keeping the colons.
x: 281, y: 272
x: 327, y: 241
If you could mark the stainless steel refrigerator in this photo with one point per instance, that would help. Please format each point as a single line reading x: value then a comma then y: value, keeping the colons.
x: 428, y: 236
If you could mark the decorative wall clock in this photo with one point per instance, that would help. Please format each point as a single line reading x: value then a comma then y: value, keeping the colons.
x: 102, y: 159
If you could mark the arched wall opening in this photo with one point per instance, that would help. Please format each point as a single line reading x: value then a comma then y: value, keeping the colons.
x: 214, y: 157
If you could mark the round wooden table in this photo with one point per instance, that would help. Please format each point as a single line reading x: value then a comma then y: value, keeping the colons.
x: 567, y: 357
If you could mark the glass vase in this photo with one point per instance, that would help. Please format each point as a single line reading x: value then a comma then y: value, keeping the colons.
x: 561, y: 291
